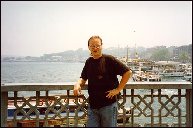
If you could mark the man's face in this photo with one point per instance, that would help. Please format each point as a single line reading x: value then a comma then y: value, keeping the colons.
x: 95, y: 47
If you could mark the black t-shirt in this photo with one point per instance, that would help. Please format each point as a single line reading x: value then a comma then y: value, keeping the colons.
x: 102, y: 76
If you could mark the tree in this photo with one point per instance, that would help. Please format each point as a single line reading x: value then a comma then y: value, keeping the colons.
x: 183, y: 57
x: 160, y: 54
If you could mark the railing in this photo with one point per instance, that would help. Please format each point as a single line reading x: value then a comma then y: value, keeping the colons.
x: 161, y: 104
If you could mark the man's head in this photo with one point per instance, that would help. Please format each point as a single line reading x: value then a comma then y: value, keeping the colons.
x: 94, y: 37
x: 95, y: 46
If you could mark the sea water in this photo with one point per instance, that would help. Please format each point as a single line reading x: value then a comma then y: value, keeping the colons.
x: 40, y: 72
x: 47, y: 72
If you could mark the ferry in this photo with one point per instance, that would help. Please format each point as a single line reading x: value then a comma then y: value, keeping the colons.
x: 172, y: 73
x: 148, y: 75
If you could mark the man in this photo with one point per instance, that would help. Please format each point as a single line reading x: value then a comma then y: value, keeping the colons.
x: 101, y: 71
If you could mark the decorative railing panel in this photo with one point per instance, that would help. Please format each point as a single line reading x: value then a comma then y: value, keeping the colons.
x: 157, y: 109
x: 144, y: 104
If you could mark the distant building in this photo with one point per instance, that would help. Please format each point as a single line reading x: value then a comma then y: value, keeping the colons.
x: 177, y: 51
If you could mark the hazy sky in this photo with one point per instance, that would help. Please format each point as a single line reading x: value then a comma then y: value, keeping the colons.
x: 36, y: 28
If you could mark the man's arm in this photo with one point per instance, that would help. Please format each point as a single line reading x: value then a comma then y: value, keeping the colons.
x: 77, y: 87
x: 122, y: 84
x: 124, y: 80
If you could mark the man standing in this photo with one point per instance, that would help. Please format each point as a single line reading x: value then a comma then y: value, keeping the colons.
x: 101, y: 71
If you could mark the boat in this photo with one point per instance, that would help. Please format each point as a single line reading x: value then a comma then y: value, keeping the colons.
x: 148, y: 75
x: 172, y: 73
x: 171, y: 68
x: 45, y: 108
x: 43, y: 105
x: 140, y: 65
x: 42, y: 108
x: 188, y: 76
x: 120, y: 115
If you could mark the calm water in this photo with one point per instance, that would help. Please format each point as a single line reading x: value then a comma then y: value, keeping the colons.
x: 46, y: 72
x: 40, y: 72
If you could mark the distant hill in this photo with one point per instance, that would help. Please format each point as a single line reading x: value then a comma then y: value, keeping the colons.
x: 81, y: 55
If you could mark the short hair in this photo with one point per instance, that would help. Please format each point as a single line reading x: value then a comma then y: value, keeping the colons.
x: 94, y: 37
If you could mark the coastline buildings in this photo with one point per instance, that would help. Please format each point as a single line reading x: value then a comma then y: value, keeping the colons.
x: 183, y: 51
x: 179, y: 54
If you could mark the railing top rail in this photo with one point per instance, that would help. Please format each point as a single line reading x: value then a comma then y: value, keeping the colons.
x: 69, y: 86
